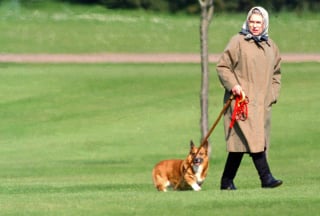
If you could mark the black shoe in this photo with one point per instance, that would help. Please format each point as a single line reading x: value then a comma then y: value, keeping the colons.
x: 271, y: 182
x: 227, y: 185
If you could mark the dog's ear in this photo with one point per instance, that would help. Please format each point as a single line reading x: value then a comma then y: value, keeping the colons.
x: 191, y: 144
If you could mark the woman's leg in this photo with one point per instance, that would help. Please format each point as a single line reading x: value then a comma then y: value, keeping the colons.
x: 262, y: 166
x: 230, y: 170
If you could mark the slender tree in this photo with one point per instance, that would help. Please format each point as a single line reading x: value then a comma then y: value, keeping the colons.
x: 206, y: 17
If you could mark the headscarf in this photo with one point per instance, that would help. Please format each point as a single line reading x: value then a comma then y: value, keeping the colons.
x: 245, y: 27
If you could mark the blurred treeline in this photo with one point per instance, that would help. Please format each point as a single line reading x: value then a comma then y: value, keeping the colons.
x: 191, y: 6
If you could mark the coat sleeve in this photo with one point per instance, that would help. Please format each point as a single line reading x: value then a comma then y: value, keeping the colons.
x: 276, y: 78
x: 226, y: 64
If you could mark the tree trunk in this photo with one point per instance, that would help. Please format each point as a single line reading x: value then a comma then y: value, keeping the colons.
x: 206, y: 16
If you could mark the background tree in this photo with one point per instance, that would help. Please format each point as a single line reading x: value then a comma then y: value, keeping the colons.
x: 206, y: 17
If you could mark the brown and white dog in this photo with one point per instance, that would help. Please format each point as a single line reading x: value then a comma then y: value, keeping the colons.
x: 182, y: 174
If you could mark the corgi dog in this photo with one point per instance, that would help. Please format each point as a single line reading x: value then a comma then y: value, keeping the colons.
x: 188, y: 174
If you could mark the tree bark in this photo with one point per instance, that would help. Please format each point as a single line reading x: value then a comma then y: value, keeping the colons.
x: 206, y: 17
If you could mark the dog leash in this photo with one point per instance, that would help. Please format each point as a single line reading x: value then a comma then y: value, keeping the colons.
x: 205, y: 139
x: 240, y: 110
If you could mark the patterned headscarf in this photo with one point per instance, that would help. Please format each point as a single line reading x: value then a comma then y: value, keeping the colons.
x: 245, y: 27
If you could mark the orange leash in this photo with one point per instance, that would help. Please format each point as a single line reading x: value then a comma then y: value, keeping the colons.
x: 240, y: 111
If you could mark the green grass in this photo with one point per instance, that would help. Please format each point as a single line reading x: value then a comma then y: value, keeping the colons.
x: 82, y: 140
x: 61, y: 28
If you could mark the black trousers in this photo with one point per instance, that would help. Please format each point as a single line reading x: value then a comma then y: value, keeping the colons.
x: 234, y: 160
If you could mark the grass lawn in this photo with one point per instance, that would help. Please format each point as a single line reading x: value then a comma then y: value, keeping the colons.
x: 82, y: 140
x: 62, y: 28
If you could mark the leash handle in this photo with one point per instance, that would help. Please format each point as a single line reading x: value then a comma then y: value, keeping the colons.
x: 240, y: 111
x: 243, y: 97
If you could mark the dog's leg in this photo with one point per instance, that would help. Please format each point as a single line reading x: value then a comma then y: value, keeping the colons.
x: 163, y: 186
x: 192, y: 182
x: 160, y: 183
x: 195, y: 187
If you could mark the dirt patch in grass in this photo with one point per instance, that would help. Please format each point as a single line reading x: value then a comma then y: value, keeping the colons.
x: 135, y: 58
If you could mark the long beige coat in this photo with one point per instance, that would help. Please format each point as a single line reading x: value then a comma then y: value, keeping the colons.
x: 257, y: 71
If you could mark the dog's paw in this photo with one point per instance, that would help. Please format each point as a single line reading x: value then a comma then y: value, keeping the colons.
x: 196, y: 187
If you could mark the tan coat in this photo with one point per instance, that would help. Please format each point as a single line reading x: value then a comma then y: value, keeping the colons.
x: 257, y: 71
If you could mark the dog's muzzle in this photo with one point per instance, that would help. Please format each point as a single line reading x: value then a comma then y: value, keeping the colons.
x: 197, y: 161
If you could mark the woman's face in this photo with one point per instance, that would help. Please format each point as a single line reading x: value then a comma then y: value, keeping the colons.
x: 256, y: 24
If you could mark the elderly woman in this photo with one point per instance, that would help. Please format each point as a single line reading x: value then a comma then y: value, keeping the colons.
x: 250, y: 65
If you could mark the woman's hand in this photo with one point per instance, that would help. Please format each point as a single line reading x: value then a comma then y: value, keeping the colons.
x: 236, y: 90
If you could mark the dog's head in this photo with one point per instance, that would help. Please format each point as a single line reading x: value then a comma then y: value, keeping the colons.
x: 198, y: 156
